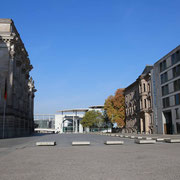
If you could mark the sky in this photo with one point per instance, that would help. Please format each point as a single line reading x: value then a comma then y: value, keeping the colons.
x: 82, y: 51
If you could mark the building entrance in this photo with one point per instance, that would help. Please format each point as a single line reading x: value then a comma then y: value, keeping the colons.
x: 168, y: 128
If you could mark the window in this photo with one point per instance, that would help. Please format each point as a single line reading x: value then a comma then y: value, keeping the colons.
x: 149, y: 88
x: 144, y: 85
x: 177, y: 85
x: 145, y: 103
x: 178, y: 127
x: 164, y: 78
x: 163, y: 66
x: 177, y: 99
x: 175, y: 57
x: 140, y: 88
x: 165, y: 90
x: 177, y: 113
x: 141, y: 104
x: 176, y: 71
x: 166, y: 102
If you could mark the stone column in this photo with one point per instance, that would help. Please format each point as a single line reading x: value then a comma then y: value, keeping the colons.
x: 10, y: 75
x: 141, y: 125
x: 147, y: 122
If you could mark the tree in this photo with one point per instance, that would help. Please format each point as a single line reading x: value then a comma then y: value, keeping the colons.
x: 92, y: 118
x: 115, y: 108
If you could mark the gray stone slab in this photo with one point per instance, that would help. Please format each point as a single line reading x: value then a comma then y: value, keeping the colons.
x: 126, y: 136
x: 113, y: 135
x: 158, y: 139
x: 50, y: 143
x: 140, y: 141
x: 147, y: 138
x: 138, y: 137
x: 81, y: 143
x: 114, y: 142
x: 172, y: 140
x: 132, y: 137
x: 121, y: 136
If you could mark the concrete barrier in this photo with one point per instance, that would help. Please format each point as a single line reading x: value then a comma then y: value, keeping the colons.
x: 147, y: 138
x: 172, y: 140
x: 138, y: 137
x: 121, y: 136
x: 158, y: 139
x: 140, y: 141
x: 81, y: 143
x: 132, y: 137
x: 114, y: 142
x: 113, y: 135
x: 126, y: 136
x: 51, y: 143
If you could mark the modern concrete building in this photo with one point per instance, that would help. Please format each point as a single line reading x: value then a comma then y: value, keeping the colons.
x: 166, y: 93
x: 16, y: 87
x: 138, y: 101
x: 69, y: 120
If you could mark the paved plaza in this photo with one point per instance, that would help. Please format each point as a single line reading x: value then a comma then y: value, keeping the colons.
x: 21, y: 159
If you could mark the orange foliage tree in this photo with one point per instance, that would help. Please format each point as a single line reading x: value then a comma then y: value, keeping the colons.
x: 115, y: 108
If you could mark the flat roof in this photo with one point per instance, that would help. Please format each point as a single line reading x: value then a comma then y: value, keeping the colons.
x: 97, y: 106
x: 75, y: 110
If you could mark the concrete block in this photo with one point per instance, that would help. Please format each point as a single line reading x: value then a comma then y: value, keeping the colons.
x: 138, y: 137
x: 80, y: 143
x: 140, y: 141
x: 121, y: 136
x: 132, y: 137
x: 126, y: 136
x: 158, y: 139
x: 113, y: 135
x: 172, y: 140
x: 114, y: 142
x: 51, y: 143
x: 147, y: 138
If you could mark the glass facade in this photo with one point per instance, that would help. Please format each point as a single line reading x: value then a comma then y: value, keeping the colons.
x: 164, y: 78
x: 163, y: 66
x: 177, y: 85
x: 176, y: 71
x: 44, y: 121
x: 177, y: 99
x: 165, y: 90
x: 175, y: 57
x: 166, y: 102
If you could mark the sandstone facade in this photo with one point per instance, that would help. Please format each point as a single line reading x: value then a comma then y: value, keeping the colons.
x: 14, y: 74
x: 138, y: 101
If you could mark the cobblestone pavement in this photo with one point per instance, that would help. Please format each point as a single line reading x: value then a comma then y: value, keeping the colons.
x: 21, y: 159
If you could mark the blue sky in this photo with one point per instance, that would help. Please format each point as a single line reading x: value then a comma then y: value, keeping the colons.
x: 83, y: 50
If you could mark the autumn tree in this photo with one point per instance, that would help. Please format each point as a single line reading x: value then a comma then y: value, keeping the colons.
x: 115, y: 108
x: 92, y: 119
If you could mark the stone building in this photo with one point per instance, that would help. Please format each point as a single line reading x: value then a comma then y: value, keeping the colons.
x: 138, y: 101
x: 16, y: 83
x: 167, y: 93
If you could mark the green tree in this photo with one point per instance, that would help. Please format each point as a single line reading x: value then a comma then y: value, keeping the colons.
x: 92, y: 119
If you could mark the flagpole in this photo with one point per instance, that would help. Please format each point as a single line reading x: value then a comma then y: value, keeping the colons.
x: 4, y: 117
